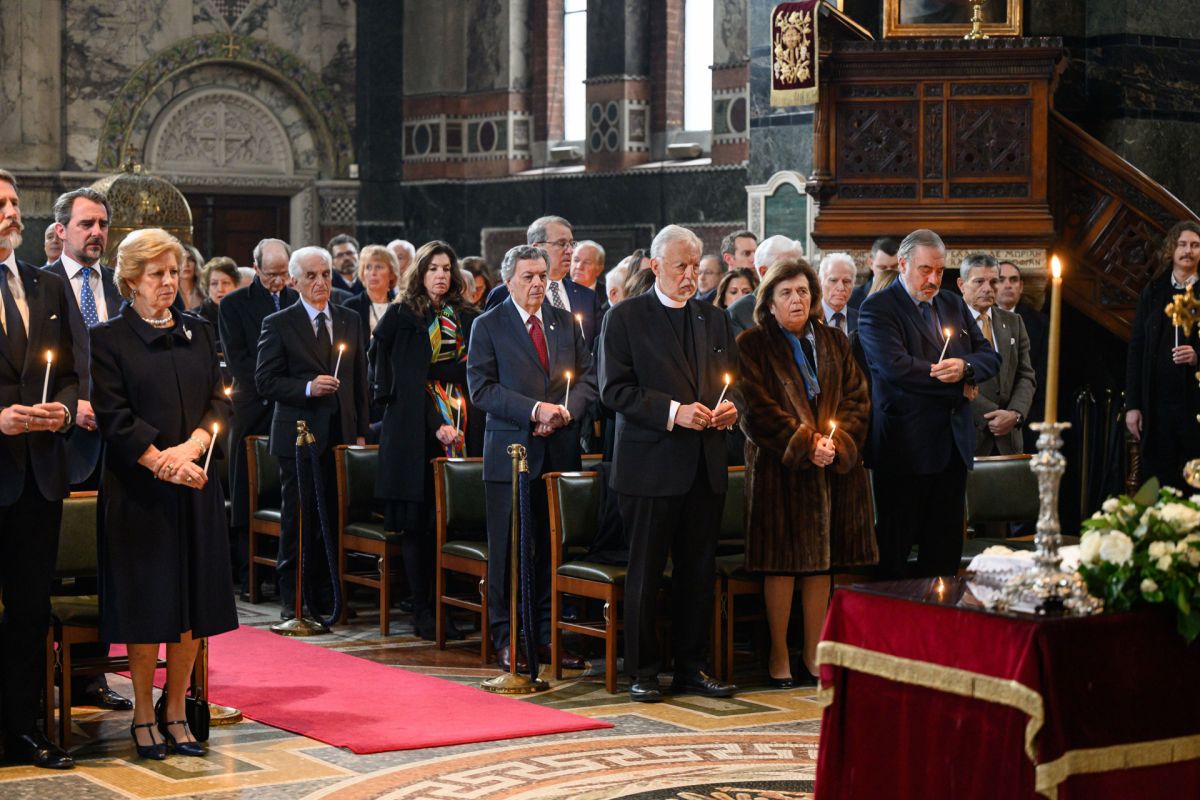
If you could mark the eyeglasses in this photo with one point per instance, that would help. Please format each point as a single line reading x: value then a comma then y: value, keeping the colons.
x: 562, y: 244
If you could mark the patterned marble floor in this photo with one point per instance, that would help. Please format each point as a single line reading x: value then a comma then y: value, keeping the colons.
x: 759, y: 745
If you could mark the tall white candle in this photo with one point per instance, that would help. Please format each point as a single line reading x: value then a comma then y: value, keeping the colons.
x: 458, y: 413
x: 946, y: 335
x: 211, y: 446
x: 567, y: 399
x: 338, y: 365
x: 1051, y: 411
x: 728, y: 380
x: 46, y: 383
x: 579, y: 319
x: 832, y: 430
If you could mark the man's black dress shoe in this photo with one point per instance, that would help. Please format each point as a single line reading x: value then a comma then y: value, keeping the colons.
x: 35, y: 749
x: 569, y: 660
x: 104, y: 697
x: 503, y: 659
x: 701, y: 683
x: 645, y: 691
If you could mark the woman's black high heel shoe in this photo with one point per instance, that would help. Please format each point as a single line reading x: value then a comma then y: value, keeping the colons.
x: 164, y: 727
x: 154, y: 750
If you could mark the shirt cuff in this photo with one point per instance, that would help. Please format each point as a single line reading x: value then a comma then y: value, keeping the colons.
x: 308, y: 389
x: 671, y: 415
x: 533, y: 413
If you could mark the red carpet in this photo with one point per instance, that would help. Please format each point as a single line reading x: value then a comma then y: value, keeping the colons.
x: 350, y: 702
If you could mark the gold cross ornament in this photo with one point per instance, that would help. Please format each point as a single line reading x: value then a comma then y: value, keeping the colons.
x: 1184, y: 310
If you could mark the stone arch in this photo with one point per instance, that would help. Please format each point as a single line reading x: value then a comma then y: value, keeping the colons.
x: 218, y: 130
x: 319, y: 105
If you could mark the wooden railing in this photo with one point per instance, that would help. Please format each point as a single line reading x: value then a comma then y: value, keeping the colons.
x: 1110, y: 218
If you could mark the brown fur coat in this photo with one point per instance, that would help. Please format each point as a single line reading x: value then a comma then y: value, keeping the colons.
x: 800, y: 517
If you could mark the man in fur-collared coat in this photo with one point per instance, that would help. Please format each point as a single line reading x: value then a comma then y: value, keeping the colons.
x: 808, y: 507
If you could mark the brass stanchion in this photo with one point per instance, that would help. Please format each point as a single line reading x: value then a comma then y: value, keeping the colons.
x: 511, y: 682
x: 299, y: 625
x: 218, y: 715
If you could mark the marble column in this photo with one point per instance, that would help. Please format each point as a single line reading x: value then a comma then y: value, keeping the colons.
x: 618, y: 85
x: 380, y: 121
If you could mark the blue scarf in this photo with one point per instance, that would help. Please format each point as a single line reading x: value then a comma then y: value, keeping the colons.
x: 807, y: 371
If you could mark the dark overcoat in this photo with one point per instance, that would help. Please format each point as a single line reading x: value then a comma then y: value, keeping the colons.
x: 164, y: 548
x: 399, y: 367
x: 801, y: 517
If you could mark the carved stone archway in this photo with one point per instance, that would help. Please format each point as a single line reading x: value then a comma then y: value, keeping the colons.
x: 218, y: 130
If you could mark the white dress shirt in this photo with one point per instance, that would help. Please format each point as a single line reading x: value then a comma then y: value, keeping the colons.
x: 829, y: 312
x: 75, y: 277
x: 312, y: 312
x: 525, y: 315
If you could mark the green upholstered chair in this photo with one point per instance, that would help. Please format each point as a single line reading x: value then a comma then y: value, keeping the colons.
x: 266, y: 500
x: 574, y: 499
x: 360, y: 527
x: 1001, y: 489
x: 462, y: 546
x: 733, y: 581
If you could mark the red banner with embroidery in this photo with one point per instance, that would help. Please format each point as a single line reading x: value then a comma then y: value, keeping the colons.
x: 794, y: 54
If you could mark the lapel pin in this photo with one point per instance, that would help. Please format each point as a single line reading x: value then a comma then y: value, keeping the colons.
x: 188, y: 333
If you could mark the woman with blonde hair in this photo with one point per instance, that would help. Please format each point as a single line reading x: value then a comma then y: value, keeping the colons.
x: 163, y: 548
x: 378, y: 272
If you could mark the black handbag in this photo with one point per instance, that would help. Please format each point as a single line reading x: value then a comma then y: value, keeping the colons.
x: 195, y: 710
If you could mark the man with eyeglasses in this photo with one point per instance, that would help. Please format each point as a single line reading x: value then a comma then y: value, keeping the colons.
x: 555, y: 236
x: 240, y: 317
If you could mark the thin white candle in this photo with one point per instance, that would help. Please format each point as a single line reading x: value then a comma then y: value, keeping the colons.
x: 212, y: 445
x: 832, y: 430
x: 46, y: 383
x: 338, y: 365
x: 567, y: 399
x: 458, y: 413
x: 946, y: 335
x: 728, y: 380
x: 579, y: 319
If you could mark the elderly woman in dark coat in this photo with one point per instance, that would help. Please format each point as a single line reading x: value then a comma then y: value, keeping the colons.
x: 418, y: 361
x: 164, y: 549
x: 808, y: 507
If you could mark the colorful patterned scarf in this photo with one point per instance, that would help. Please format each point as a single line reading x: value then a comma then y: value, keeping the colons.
x: 449, y: 399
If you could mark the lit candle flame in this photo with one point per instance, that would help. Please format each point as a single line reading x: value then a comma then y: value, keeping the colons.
x: 1055, y: 267
x: 946, y: 332
x: 341, y: 348
x: 49, y: 356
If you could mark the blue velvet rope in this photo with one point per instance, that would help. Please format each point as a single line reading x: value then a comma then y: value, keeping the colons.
x: 527, y: 599
x: 309, y: 472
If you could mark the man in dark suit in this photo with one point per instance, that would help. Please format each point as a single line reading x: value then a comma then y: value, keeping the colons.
x: 837, y: 281
x: 1010, y: 297
x: 297, y: 356
x: 81, y: 224
x: 520, y: 354
x: 240, y: 318
x: 1003, y: 402
x: 553, y: 234
x: 922, y: 439
x: 663, y: 358
x: 33, y: 479
x: 343, y: 248
x: 883, y: 259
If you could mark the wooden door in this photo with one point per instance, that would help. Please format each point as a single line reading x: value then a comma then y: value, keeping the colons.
x: 231, y: 225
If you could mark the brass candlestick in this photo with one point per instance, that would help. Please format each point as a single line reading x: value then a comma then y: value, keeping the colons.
x: 1045, y: 586
x: 976, y: 31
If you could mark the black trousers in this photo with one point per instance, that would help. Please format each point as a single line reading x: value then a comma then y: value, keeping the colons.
x: 28, y: 549
x: 684, y: 527
x: 1170, y: 438
x: 923, y: 510
x: 317, y: 582
x: 499, y: 534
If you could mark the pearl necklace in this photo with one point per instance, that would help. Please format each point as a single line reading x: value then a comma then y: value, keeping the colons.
x: 163, y: 322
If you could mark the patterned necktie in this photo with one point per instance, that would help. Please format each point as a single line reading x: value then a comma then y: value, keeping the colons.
x: 275, y: 299
x: 13, y: 323
x: 539, y: 342
x: 87, y: 300
x: 555, y: 298
x: 927, y: 315
x: 838, y: 318
x: 324, y: 344
x: 985, y: 325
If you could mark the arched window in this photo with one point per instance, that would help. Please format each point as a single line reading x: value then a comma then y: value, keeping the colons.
x: 575, y: 70
x: 697, y: 65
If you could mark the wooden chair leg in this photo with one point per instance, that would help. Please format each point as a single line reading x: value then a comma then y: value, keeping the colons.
x: 64, y: 695
x: 385, y: 594
x: 556, y: 631
x: 252, y: 571
x: 610, y: 641
x: 439, y: 589
x: 485, y: 632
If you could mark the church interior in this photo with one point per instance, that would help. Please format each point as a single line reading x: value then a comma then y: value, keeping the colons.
x: 1067, y: 128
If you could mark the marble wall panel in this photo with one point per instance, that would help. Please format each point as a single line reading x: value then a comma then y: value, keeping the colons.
x: 30, y: 87
x: 1166, y: 150
x: 486, y: 48
x: 434, y: 43
x: 731, y: 41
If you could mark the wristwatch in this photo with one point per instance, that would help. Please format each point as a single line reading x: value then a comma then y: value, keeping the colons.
x: 969, y: 373
x: 1020, y: 419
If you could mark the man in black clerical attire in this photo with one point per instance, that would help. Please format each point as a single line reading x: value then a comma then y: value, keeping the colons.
x: 33, y: 479
x: 1161, y: 396
x: 663, y: 359
x: 241, y: 314
x: 297, y: 356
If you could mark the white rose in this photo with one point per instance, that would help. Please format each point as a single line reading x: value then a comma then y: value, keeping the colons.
x: 1111, y: 505
x: 1089, y: 548
x: 1116, y: 548
x: 1193, y: 557
x: 1174, y: 491
x: 1160, y: 549
x: 1180, y: 517
x: 1164, y: 563
x: 1149, y: 586
x: 1129, y: 509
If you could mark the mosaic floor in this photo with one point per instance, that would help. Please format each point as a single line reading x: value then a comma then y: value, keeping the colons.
x: 759, y: 745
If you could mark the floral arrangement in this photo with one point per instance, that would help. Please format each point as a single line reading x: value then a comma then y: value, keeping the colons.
x: 1146, y: 549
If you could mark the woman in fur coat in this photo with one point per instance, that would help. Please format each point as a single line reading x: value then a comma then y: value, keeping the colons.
x: 808, y: 507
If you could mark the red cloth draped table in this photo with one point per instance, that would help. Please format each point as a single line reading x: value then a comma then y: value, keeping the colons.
x: 927, y: 695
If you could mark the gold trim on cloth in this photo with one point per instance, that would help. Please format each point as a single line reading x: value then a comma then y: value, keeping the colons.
x: 1108, y: 759
x: 945, y: 679
x: 794, y: 54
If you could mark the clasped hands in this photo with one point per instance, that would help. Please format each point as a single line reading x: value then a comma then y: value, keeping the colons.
x: 697, y: 416
x: 177, y: 465
x: 17, y: 419
x: 549, y: 418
